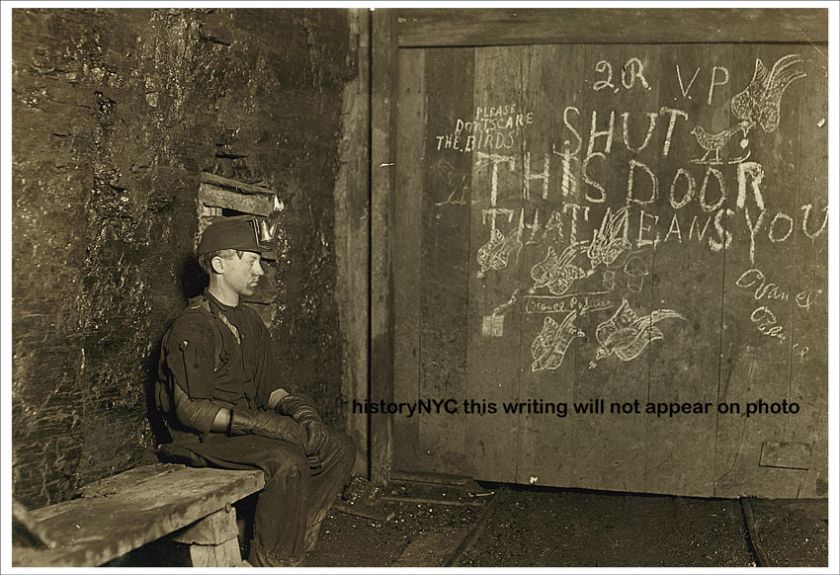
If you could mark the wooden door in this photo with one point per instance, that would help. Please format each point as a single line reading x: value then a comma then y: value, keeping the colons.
x: 600, y: 249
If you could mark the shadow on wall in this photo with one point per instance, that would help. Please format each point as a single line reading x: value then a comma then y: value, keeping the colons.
x: 193, y: 282
x: 193, y: 279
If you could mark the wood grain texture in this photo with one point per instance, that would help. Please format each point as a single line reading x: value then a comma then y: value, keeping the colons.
x: 407, y: 258
x: 809, y: 351
x: 444, y: 262
x: 759, y: 366
x: 241, y: 187
x: 545, y: 447
x: 384, y: 77
x: 95, y: 530
x: 655, y: 129
x: 223, y: 555
x: 492, y: 366
x: 214, y: 529
x: 687, y: 276
x: 211, y: 195
x: 423, y: 27
x: 352, y: 233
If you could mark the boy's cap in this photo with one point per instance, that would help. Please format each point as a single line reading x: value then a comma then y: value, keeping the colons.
x: 232, y: 234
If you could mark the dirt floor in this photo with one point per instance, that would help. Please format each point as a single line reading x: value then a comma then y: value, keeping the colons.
x: 483, y: 525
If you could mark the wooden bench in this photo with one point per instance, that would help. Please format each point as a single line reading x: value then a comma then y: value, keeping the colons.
x: 124, y: 512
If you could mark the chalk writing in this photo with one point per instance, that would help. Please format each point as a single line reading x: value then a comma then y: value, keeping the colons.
x: 626, y: 335
x: 491, y: 128
x: 806, y: 212
x: 549, y: 347
x: 604, y: 67
x: 753, y: 173
x: 580, y: 302
x: 766, y: 323
x: 640, y: 227
x: 626, y: 132
x: 807, y: 297
x: 786, y: 223
x: 543, y: 176
x: 538, y: 199
x: 683, y: 88
x: 754, y: 277
x: 714, y: 82
x: 632, y: 70
x: 494, y: 160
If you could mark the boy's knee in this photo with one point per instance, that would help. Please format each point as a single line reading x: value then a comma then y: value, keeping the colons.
x: 288, y: 465
x: 344, y: 447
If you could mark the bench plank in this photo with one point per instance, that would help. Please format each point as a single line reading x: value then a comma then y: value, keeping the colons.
x: 134, y: 476
x: 92, y: 531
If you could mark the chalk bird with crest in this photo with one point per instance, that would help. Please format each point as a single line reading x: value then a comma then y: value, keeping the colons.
x: 759, y: 103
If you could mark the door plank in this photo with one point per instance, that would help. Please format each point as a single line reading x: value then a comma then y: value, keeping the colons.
x: 407, y: 257
x: 447, y: 172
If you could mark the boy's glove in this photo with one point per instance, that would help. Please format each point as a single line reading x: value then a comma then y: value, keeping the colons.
x: 267, y: 424
x: 316, y: 438
x: 302, y: 409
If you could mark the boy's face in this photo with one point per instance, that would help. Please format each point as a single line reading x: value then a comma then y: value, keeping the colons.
x: 241, y: 274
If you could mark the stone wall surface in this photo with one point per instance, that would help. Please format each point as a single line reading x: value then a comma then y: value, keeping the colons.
x: 116, y: 112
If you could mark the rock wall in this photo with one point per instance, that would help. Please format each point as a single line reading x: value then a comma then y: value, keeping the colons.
x: 115, y: 115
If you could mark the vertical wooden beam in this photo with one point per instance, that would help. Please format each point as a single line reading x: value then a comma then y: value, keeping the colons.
x: 352, y: 231
x: 213, y: 540
x: 383, y: 108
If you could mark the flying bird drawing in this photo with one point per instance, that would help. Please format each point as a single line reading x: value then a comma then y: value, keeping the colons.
x: 608, y: 242
x: 557, y: 273
x: 549, y: 347
x: 760, y: 101
x: 496, y: 252
x: 626, y: 335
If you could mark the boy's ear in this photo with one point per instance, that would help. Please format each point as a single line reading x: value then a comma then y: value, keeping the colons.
x: 217, y: 264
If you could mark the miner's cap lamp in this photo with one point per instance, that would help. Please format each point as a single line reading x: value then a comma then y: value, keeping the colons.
x: 233, y: 234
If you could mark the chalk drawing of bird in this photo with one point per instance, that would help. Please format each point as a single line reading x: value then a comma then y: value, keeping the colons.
x: 557, y: 273
x: 626, y: 335
x: 759, y: 103
x: 549, y: 347
x: 608, y: 242
x: 714, y: 142
x: 496, y: 252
